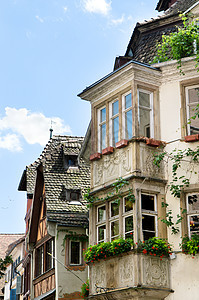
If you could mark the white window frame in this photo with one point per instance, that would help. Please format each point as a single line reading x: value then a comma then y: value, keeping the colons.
x: 111, y: 118
x: 80, y: 253
x: 190, y: 213
x: 188, y: 106
x: 99, y: 128
x: 125, y: 215
x: 124, y: 111
x: 101, y: 223
x: 113, y: 219
x: 149, y: 213
x: 151, y: 109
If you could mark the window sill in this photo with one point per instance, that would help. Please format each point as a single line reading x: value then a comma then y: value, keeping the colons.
x: 77, y: 267
x: 153, y: 143
x: 107, y: 150
x: 95, y: 156
x: 121, y: 144
x: 191, y: 138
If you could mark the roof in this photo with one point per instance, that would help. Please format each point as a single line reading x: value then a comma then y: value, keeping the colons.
x: 5, y: 241
x: 58, y: 179
x: 146, y: 35
x: 14, y: 244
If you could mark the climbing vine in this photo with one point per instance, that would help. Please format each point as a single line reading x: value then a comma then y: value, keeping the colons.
x: 117, y: 192
x: 182, y: 43
x: 178, y: 182
x: 73, y: 236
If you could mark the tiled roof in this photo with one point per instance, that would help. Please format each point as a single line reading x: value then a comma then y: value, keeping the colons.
x: 14, y: 244
x: 5, y: 241
x: 180, y: 6
x: 146, y: 35
x: 58, y: 179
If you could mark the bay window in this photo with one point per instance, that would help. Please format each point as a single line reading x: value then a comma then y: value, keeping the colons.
x: 115, y: 121
x: 43, y: 261
x: 192, y: 100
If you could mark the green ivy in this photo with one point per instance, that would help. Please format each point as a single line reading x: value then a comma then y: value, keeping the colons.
x: 179, y: 44
x: 73, y: 236
x: 117, y: 188
x: 190, y: 246
x: 3, y: 264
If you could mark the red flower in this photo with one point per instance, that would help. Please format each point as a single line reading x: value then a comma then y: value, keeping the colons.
x: 144, y: 251
x: 153, y: 247
x: 156, y: 248
x: 143, y: 242
x: 154, y: 254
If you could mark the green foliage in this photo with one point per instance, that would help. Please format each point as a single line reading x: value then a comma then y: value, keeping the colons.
x: 169, y: 219
x: 190, y: 246
x: 85, y: 290
x: 73, y: 236
x: 117, y: 188
x: 103, y: 250
x: 3, y: 264
x: 154, y: 246
x: 179, y: 44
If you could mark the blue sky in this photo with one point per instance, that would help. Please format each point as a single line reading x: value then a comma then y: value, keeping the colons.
x: 50, y: 51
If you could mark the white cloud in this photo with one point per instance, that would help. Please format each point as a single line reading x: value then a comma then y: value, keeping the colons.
x: 39, y: 19
x: 10, y: 142
x: 33, y: 127
x: 97, y: 6
x: 118, y: 21
x: 65, y: 8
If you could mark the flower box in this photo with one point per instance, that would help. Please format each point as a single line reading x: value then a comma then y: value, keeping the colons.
x: 191, y: 138
x: 95, y: 156
x: 121, y: 144
x: 107, y: 150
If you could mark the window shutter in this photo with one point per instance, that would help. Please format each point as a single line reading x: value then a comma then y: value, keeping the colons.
x: 13, y: 294
x: 18, y: 287
x: 162, y: 228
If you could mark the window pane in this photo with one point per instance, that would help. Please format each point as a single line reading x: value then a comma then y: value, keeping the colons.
x: 144, y: 99
x: 148, y: 202
x: 103, y: 136
x: 194, y: 126
x: 49, y: 259
x: 194, y: 224
x: 129, y: 224
x: 193, y: 95
x: 101, y: 233
x: 103, y: 115
x: 115, y: 108
x: 128, y: 205
x: 115, y: 130
x: 147, y: 235
x: 144, y: 119
x: 102, y: 213
x: 115, y: 229
x: 148, y: 223
x: 75, y: 253
x: 193, y: 202
x: 128, y: 101
x: 114, y: 209
x: 128, y: 124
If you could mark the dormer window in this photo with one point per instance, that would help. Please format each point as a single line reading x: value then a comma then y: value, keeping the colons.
x: 70, y: 161
x: 73, y: 197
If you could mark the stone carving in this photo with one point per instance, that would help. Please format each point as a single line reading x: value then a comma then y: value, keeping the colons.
x: 111, y: 167
x: 147, y: 165
x: 99, y: 276
x: 155, y: 272
x: 126, y: 271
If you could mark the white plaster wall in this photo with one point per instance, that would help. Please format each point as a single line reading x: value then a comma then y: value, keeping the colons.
x: 67, y: 282
x: 184, y: 278
x: 170, y: 104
